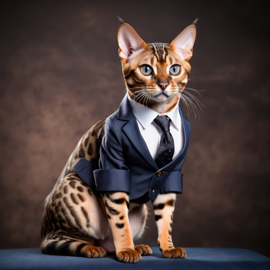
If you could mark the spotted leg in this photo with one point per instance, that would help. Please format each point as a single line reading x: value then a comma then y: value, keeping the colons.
x: 116, y: 205
x: 164, y: 208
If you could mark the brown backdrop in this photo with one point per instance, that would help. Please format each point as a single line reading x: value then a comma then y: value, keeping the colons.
x: 60, y: 73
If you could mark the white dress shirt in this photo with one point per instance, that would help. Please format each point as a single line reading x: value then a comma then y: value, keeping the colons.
x: 152, y: 133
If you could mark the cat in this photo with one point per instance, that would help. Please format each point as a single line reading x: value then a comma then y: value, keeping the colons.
x: 79, y: 221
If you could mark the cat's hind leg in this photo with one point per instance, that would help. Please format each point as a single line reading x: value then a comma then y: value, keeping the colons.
x: 63, y: 245
x: 73, y: 219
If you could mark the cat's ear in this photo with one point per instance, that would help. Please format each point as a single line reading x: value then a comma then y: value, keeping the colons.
x: 183, y: 43
x: 129, y: 41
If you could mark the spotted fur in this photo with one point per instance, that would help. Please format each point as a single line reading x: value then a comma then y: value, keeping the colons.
x: 75, y: 221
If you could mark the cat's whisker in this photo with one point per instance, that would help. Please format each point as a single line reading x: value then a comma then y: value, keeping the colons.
x: 145, y: 99
x: 182, y: 98
x: 199, y: 90
x: 137, y: 95
x: 195, y: 90
x: 192, y: 100
x: 196, y: 100
x: 192, y: 105
x: 149, y: 97
x: 139, y: 91
x: 140, y: 98
x: 185, y: 103
x: 140, y: 94
x: 136, y: 98
x: 189, y: 106
x: 139, y: 87
x: 188, y: 91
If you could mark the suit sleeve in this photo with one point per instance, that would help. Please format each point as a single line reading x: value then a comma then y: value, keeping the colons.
x: 113, y: 174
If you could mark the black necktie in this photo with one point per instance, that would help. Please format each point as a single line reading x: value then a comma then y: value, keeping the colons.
x: 166, y: 148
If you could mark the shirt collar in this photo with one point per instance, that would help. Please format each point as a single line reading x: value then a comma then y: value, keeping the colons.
x: 145, y: 115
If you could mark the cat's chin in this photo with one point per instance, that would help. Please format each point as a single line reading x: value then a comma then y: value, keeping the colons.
x: 162, y: 97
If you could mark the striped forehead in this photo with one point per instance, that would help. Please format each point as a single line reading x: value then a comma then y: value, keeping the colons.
x: 159, y: 50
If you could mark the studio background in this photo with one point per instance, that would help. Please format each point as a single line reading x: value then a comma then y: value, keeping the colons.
x: 60, y: 73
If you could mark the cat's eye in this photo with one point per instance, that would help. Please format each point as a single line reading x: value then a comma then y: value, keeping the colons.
x: 146, y: 70
x: 175, y: 69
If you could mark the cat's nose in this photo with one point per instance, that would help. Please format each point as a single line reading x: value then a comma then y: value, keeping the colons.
x: 163, y: 85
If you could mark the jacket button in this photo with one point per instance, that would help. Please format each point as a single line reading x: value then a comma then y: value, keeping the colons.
x: 159, y: 173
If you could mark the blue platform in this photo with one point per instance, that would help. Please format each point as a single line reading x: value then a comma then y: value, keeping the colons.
x: 198, y: 258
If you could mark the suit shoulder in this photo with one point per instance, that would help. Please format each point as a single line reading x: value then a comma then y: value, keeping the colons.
x: 113, y: 123
x: 113, y: 116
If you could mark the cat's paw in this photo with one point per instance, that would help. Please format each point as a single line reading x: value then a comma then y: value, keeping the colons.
x: 176, y: 253
x: 144, y: 250
x: 90, y: 251
x: 129, y: 256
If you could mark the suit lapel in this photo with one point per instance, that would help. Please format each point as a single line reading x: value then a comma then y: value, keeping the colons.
x: 132, y: 131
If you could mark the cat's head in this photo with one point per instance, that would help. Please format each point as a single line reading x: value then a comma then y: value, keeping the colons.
x: 155, y: 73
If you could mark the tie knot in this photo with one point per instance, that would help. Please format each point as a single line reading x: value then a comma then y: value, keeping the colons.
x: 163, y: 121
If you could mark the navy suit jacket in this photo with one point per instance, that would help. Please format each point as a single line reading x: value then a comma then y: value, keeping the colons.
x: 126, y: 164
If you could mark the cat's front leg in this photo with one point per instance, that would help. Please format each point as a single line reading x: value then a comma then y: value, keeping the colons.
x: 116, y: 205
x: 164, y: 208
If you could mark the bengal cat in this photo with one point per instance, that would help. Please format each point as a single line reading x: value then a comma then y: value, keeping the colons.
x: 78, y: 222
